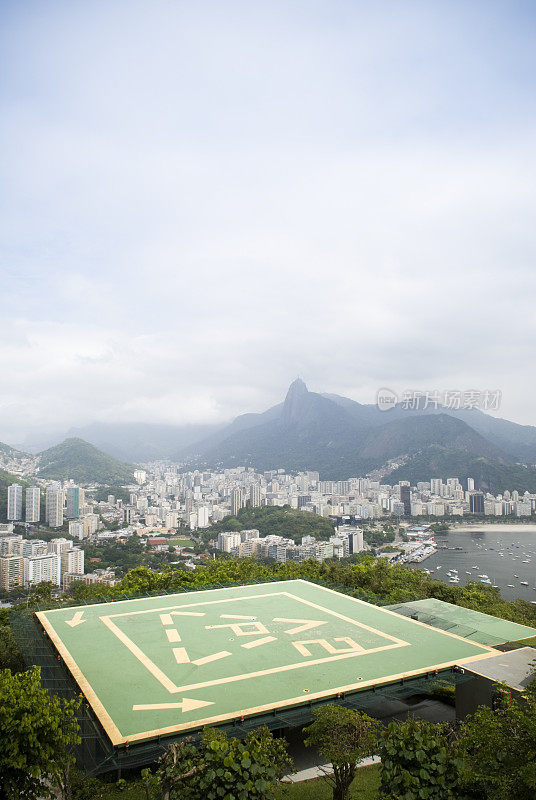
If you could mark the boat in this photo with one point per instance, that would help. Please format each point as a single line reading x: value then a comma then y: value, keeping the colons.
x: 482, y: 576
x: 516, y: 576
x: 467, y: 572
x: 475, y: 567
x: 523, y: 583
x: 510, y: 586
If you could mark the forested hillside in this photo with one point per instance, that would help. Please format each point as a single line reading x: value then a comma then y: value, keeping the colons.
x: 274, y: 521
x: 371, y: 579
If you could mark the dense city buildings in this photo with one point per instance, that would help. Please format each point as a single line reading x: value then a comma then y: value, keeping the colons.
x: 163, y: 501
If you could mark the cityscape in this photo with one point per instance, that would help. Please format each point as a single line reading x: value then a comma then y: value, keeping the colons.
x: 267, y: 427
x: 172, y: 511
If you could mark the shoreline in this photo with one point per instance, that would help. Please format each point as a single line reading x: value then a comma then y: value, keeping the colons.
x: 501, y: 527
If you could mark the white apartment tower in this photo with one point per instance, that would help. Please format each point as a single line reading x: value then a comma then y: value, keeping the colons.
x: 255, y: 495
x: 14, y: 502
x: 436, y: 485
x: 54, y: 507
x: 237, y: 501
x: 33, y: 504
x: 46, y: 567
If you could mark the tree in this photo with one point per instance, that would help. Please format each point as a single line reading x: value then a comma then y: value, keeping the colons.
x: 10, y: 654
x: 343, y: 737
x: 223, y: 767
x: 418, y: 762
x: 37, y: 734
x: 498, y: 746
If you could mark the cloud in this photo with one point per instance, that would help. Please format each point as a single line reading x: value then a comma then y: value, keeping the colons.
x: 200, y: 202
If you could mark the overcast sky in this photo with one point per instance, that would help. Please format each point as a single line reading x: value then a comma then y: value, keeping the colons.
x: 203, y: 200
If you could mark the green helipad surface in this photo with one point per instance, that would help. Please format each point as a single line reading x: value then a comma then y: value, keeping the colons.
x: 163, y: 664
x: 465, y: 622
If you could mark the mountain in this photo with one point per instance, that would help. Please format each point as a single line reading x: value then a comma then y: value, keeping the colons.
x: 307, y: 431
x: 10, y: 452
x: 490, y: 475
x: 340, y: 438
x: 140, y: 441
x: 84, y: 463
x: 415, y: 434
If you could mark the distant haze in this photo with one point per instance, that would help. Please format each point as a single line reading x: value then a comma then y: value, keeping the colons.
x: 201, y: 201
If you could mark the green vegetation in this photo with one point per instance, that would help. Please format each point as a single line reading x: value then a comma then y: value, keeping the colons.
x: 37, y: 734
x: 181, y: 541
x: 378, y: 538
x: 274, y: 521
x: 343, y: 738
x: 418, y: 762
x: 84, y: 463
x: 365, y: 787
x: 439, y: 527
x: 221, y: 767
x: 444, y: 691
x: 10, y: 654
x: 122, y: 557
x: 369, y: 578
x: 498, y: 747
x: 119, y: 492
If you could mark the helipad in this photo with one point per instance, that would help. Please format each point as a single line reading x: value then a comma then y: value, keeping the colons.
x: 160, y: 665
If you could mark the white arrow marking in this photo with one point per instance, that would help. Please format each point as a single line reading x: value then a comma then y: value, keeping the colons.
x: 186, y: 705
x: 306, y: 625
x: 76, y: 620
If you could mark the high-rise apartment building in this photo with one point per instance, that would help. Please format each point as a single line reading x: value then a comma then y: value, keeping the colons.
x: 72, y: 561
x: 255, y: 495
x: 11, y: 572
x: 14, y: 502
x: 10, y: 545
x: 436, y: 485
x: 476, y: 502
x: 46, y: 567
x: 73, y: 502
x: 33, y: 504
x: 60, y: 545
x: 78, y: 528
x: 405, y: 498
x: 228, y: 541
x: 237, y: 501
x: 54, y: 507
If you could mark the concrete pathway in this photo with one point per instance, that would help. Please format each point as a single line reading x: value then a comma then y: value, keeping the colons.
x: 323, y: 769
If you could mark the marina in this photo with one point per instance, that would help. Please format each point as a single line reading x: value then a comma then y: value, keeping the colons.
x: 502, y: 556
